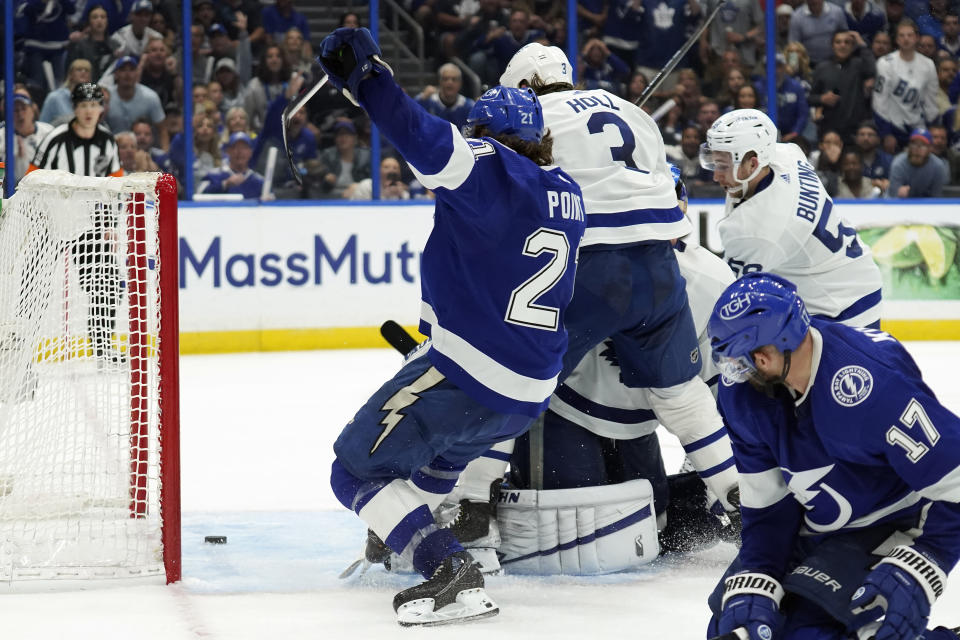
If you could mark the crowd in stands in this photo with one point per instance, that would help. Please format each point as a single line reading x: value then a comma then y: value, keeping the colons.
x: 868, y: 88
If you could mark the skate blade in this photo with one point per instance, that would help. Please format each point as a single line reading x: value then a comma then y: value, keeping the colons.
x: 349, y: 571
x: 471, y: 604
x: 486, y: 560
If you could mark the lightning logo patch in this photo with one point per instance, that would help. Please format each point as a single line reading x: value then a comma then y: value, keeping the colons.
x: 403, y: 399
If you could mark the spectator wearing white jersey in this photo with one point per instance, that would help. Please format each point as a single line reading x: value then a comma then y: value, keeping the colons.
x: 132, y: 39
x: 905, y: 91
x: 27, y: 133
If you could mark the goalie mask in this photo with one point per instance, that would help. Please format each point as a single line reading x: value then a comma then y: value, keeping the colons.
x: 548, y: 63
x: 756, y: 310
x: 509, y: 111
x: 731, y: 137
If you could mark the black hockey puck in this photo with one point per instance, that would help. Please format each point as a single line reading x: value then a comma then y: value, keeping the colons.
x: 215, y: 539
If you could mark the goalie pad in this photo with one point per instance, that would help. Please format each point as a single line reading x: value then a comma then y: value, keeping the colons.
x: 583, y: 531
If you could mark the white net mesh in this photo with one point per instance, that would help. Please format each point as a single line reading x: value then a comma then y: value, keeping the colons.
x: 80, y: 472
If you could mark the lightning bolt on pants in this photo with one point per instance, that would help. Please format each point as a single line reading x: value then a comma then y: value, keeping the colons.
x: 403, y: 452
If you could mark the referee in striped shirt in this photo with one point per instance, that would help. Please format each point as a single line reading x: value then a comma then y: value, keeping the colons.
x: 82, y: 146
x: 85, y: 147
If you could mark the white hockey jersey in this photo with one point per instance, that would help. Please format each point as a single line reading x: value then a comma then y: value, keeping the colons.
x: 25, y: 148
x: 905, y: 93
x: 789, y: 227
x: 593, y: 396
x: 615, y: 152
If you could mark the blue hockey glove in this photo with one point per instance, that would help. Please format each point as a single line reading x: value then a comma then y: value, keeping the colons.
x: 348, y: 56
x: 751, y: 601
x: 904, y: 586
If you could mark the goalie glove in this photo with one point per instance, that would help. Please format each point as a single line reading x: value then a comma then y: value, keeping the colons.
x: 348, y: 56
x: 904, y: 585
x: 751, y: 603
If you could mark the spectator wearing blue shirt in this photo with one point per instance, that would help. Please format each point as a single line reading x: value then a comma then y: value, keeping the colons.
x: 866, y: 18
x: 591, y: 17
x: 602, y: 69
x: 950, y: 40
x: 475, y: 41
x: 300, y: 139
x: 518, y: 34
x: 813, y: 26
x: 932, y: 23
x: 876, y: 161
x: 235, y: 176
x: 132, y: 100
x: 665, y: 23
x: 58, y: 106
x: 445, y: 100
x: 280, y: 17
x: 916, y: 172
x: 45, y: 35
x: 622, y: 31
x: 793, y: 110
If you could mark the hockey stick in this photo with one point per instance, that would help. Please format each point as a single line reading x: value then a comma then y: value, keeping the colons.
x: 295, y: 105
x: 398, y: 338
x: 675, y: 60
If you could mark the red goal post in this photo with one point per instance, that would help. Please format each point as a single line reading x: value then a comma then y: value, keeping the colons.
x: 89, y: 379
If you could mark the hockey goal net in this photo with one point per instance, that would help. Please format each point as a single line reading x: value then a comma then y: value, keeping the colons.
x: 89, y: 433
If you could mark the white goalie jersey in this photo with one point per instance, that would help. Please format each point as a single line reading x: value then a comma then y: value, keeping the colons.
x: 790, y: 227
x: 593, y: 396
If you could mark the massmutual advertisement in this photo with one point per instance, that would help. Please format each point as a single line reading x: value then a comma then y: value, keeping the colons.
x: 301, y: 277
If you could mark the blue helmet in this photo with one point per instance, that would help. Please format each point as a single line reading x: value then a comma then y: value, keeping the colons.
x: 756, y: 310
x: 510, y: 111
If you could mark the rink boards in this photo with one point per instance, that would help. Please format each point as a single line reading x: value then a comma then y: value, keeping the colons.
x: 305, y: 276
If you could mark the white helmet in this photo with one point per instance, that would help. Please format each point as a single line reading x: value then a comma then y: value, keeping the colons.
x: 549, y: 63
x: 739, y: 132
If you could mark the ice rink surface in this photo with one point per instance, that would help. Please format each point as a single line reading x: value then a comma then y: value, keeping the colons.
x: 257, y: 431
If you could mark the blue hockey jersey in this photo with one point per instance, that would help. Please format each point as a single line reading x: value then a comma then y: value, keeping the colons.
x: 867, y: 443
x: 498, y: 269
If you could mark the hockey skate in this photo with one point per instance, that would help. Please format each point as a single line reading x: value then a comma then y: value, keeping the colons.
x: 475, y: 527
x: 453, y: 594
x: 375, y: 551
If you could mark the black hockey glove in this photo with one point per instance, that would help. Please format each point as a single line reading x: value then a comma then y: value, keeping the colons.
x: 348, y: 56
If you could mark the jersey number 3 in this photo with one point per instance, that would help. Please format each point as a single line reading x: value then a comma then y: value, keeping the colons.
x: 623, y: 153
x: 523, y: 308
x: 913, y: 415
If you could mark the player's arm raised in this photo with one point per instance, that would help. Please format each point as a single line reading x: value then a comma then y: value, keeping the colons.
x: 437, y: 153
